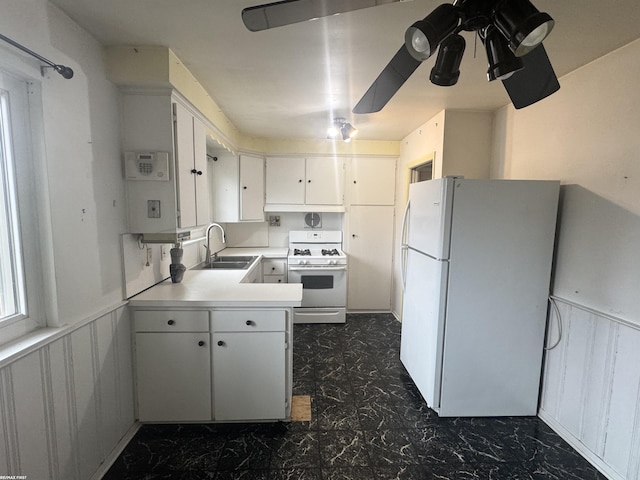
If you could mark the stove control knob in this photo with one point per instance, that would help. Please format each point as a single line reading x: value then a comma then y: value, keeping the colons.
x: 332, y: 262
x: 302, y: 262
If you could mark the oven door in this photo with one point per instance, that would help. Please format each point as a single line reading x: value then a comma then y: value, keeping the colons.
x: 321, y: 286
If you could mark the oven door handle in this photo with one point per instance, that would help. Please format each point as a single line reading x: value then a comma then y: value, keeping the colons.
x: 318, y: 267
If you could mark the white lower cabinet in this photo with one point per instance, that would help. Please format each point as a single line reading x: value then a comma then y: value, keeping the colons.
x: 213, y: 365
x: 274, y: 270
x: 249, y: 364
x: 173, y: 366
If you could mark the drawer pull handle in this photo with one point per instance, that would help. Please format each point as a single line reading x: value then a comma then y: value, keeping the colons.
x: 171, y: 322
x: 250, y: 322
x: 220, y: 343
x: 201, y: 343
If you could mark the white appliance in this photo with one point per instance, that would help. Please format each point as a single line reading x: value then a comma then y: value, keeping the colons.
x: 317, y: 261
x: 476, y: 270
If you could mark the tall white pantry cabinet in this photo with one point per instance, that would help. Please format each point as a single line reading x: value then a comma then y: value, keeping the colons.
x: 369, y: 226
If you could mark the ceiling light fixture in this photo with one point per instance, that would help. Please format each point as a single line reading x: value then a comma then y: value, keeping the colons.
x: 340, y: 127
x: 423, y: 37
x: 502, y: 62
x: 446, y: 71
x: 509, y: 29
x: 523, y: 25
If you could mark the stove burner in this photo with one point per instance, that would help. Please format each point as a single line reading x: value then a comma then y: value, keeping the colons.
x: 331, y: 252
x: 298, y: 251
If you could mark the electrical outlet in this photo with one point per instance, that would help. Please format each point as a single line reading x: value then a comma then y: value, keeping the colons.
x: 164, y: 251
x: 149, y: 256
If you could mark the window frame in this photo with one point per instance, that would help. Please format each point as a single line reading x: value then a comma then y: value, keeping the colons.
x: 24, y: 106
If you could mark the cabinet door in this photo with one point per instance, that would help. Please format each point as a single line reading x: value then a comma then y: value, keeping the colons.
x: 249, y: 371
x: 203, y: 214
x: 184, y: 166
x: 369, y: 243
x: 324, y: 181
x: 251, y: 188
x: 285, y: 182
x: 173, y: 372
x: 371, y: 181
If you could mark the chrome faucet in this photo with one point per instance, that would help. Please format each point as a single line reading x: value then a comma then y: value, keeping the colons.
x: 224, y: 240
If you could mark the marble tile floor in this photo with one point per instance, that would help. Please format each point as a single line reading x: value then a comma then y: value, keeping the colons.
x: 368, y: 422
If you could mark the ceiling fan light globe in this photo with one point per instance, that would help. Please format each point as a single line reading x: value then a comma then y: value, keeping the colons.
x: 420, y: 48
x: 423, y: 37
x: 522, y: 25
x: 537, y: 35
x: 502, y: 61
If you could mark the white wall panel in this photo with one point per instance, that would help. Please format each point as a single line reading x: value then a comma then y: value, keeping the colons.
x: 124, y: 371
x: 65, y: 406
x: 85, y: 392
x: 625, y: 399
x: 106, y: 381
x: 591, y: 389
x: 570, y: 405
x: 29, y: 413
x: 599, y: 371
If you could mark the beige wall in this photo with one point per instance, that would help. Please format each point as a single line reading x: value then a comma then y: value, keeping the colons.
x: 588, y: 133
x: 459, y: 142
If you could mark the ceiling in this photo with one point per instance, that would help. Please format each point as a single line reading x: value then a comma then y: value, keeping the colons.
x: 289, y: 82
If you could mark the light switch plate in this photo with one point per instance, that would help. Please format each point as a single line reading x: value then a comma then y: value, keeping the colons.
x: 153, y: 208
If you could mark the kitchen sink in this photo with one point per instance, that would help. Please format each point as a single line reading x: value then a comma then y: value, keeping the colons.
x: 227, y: 263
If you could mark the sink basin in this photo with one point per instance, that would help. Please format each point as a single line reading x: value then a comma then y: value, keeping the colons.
x: 233, y: 258
x: 227, y: 263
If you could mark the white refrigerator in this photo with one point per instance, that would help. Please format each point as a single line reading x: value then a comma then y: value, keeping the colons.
x: 477, y: 258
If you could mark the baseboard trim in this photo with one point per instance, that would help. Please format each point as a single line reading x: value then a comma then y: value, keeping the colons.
x: 115, y: 453
x: 581, y: 448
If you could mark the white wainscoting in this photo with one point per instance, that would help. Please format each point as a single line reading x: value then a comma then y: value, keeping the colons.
x: 591, y: 388
x: 65, y: 405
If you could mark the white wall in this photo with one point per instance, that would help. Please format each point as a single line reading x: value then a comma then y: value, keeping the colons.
x: 586, y: 135
x: 68, y: 402
x: 82, y: 156
x: 459, y: 142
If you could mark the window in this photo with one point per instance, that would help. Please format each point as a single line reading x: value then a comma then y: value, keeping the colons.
x: 21, y: 280
x: 12, y: 288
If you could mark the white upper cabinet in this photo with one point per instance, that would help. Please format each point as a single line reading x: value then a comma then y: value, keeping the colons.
x: 285, y: 182
x: 370, y: 181
x: 238, y: 188
x: 293, y: 184
x: 191, y: 167
x: 251, y: 188
x: 166, y: 124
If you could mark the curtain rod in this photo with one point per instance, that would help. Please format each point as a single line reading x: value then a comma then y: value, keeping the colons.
x: 66, y: 72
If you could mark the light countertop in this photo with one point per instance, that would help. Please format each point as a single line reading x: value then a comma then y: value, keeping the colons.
x: 222, y: 288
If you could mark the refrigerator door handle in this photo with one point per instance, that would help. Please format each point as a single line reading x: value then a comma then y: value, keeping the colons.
x: 404, y: 246
x: 405, y: 219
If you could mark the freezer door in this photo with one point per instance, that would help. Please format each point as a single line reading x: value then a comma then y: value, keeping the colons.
x: 422, y: 323
x: 429, y: 217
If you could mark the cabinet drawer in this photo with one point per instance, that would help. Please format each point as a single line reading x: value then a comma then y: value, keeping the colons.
x: 171, y: 321
x: 248, y: 320
x: 273, y: 266
x: 274, y: 279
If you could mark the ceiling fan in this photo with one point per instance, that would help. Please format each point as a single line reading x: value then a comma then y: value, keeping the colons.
x: 512, y: 32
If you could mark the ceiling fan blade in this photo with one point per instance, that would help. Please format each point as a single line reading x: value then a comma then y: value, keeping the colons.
x: 535, y: 81
x: 397, y: 71
x: 286, y: 12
